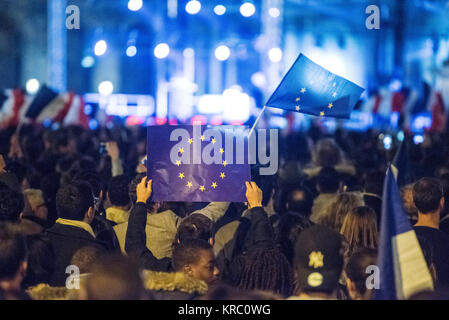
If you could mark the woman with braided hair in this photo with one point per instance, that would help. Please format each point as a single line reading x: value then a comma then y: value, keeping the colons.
x: 265, y: 269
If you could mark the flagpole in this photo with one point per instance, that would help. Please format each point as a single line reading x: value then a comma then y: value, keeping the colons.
x: 257, y: 120
x: 19, y: 126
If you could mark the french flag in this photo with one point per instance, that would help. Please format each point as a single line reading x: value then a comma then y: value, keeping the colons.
x: 16, y: 107
x: 402, y: 268
x: 13, y: 102
x: 45, y: 98
x: 438, y: 110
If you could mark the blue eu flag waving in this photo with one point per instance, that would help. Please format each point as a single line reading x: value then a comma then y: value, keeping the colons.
x: 309, y: 88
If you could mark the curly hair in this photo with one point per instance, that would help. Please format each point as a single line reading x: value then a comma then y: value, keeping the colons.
x: 265, y: 269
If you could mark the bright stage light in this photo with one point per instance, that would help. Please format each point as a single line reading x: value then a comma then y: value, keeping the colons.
x: 131, y: 51
x: 259, y: 80
x: 100, y: 47
x: 193, y: 7
x: 161, y: 51
x: 222, y: 53
x: 236, y: 105
x: 105, y: 88
x: 274, y: 12
x: 220, y: 10
x: 134, y: 5
x: 247, y: 9
x: 275, y: 54
x: 87, y: 62
x: 32, y: 86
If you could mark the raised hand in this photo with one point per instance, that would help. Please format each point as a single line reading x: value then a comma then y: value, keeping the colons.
x: 253, y: 194
x: 143, y: 190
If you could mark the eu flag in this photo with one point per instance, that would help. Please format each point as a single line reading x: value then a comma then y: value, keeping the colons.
x: 309, y: 88
x: 402, y: 268
x: 198, y: 163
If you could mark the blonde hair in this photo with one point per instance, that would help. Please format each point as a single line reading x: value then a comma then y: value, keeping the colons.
x: 337, y: 210
x: 360, y: 228
x: 35, y: 197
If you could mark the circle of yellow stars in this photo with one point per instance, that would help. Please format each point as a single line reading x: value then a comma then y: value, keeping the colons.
x: 189, y: 184
x: 304, y: 90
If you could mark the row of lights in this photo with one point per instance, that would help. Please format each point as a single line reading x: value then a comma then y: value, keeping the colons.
x: 32, y: 87
x: 107, y: 87
x: 162, y: 50
x: 247, y: 9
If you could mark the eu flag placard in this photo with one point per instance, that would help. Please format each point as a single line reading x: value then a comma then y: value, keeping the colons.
x: 198, y: 163
x: 309, y: 88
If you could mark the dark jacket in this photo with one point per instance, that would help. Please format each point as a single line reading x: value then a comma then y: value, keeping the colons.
x: 288, y: 229
x: 66, y: 240
x: 135, y: 243
x: 104, y: 232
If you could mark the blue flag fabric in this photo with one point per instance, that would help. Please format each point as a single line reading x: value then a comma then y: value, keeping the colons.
x: 198, y: 164
x: 43, y: 97
x: 309, y: 88
x: 402, y: 268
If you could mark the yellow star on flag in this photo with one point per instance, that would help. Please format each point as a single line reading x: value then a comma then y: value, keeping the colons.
x: 221, y: 150
x: 202, y: 138
x: 334, y: 94
x: 330, y: 105
x: 181, y: 175
x: 202, y: 188
x: 222, y: 175
x: 190, y: 140
x: 225, y: 163
x: 298, y: 99
x: 178, y: 163
x: 303, y: 90
x: 181, y: 150
x: 213, y: 141
x: 298, y: 108
x: 321, y: 113
x: 214, y: 185
x: 189, y: 184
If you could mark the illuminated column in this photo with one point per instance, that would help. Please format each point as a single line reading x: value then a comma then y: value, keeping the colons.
x: 172, y: 8
x: 57, y: 45
x: 231, y: 73
x: 215, y: 74
x: 272, y: 35
x: 189, y: 64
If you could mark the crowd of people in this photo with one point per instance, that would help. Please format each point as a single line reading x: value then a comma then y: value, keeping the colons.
x: 77, y: 220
